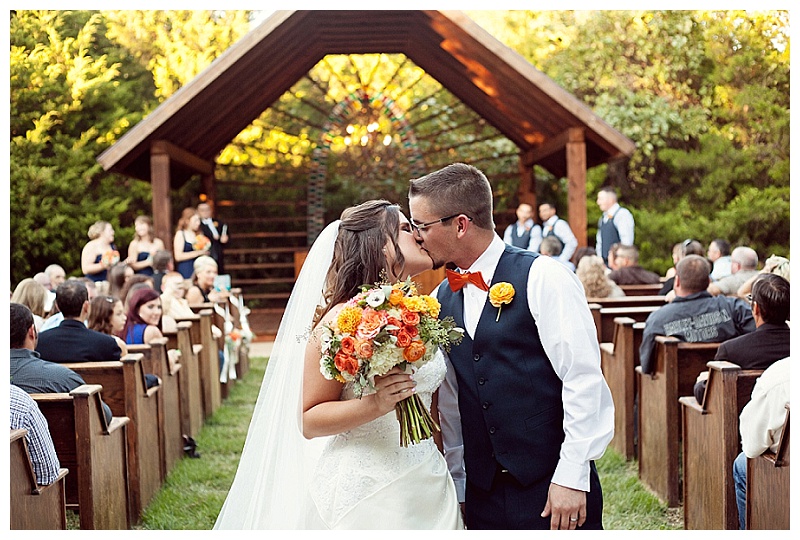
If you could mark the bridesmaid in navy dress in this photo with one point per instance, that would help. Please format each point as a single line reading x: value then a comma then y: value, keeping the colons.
x: 99, y: 253
x: 183, y: 245
x: 143, y: 246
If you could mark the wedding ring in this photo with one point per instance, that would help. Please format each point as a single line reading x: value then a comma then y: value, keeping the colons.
x: 573, y: 519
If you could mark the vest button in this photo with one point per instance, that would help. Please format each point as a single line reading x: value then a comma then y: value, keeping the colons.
x: 476, y: 357
x: 481, y: 381
x: 486, y: 405
x: 492, y: 430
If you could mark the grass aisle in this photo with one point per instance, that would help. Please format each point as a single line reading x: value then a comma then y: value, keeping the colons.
x: 195, y: 490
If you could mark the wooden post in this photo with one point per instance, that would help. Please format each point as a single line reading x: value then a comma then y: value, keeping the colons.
x: 576, y: 182
x: 526, y: 193
x: 162, y: 205
x: 209, y: 182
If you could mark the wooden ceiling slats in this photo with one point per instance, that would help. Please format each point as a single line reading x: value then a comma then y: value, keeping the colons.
x: 498, y: 84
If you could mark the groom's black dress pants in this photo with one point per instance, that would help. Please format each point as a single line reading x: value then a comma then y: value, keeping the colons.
x: 510, y: 505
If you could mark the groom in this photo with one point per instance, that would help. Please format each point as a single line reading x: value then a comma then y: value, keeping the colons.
x: 525, y: 408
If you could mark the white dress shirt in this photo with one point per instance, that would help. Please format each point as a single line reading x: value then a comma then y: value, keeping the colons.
x: 208, y: 222
x: 564, y: 233
x: 536, y: 234
x: 566, y: 329
x: 762, y: 419
x: 623, y: 221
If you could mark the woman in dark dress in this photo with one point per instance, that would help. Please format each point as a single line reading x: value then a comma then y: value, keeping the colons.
x: 189, y: 243
x: 143, y: 246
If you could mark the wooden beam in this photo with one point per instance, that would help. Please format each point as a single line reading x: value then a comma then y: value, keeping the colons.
x: 552, y: 146
x: 576, y: 186
x: 182, y: 157
x: 209, y: 183
x: 162, y: 205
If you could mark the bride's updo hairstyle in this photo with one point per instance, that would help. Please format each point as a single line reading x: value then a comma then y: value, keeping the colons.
x: 359, y: 255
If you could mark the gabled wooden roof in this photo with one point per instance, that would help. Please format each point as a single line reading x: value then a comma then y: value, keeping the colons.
x: 500, y: 85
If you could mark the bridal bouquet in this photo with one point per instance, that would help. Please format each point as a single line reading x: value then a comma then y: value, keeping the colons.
x: 384, y: 326
x: 200, y: 242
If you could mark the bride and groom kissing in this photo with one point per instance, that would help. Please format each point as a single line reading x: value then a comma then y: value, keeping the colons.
x: 523, y: 406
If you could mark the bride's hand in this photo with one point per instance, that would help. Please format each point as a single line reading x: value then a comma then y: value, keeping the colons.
x: 393, y: 387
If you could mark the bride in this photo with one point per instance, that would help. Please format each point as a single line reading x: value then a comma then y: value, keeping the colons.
x: 315, y: 457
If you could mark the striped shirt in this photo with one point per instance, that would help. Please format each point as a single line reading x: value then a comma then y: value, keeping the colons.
x: 25, y: 414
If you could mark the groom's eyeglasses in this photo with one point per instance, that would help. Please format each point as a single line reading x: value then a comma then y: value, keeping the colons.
x: 418, y: 227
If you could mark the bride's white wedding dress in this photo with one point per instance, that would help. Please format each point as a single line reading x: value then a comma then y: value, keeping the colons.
x: 366, y: 480
x: 360, y: 479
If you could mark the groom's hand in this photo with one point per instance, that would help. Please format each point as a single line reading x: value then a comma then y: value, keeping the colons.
x: 563, y: 505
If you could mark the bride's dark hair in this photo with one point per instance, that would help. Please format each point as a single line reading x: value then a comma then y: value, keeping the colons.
x: 358, y: 255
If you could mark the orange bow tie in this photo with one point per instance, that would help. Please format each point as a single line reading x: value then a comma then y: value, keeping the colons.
x: 457, y: 281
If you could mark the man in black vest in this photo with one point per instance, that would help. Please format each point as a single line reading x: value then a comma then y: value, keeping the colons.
x: 215, y: 231
x: 524, y: 233
x: 615, y: 225
x: 524, y: 408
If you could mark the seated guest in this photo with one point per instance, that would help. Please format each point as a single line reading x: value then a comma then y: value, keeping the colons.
x: 118, y: 275
x: 695, y: 316
x: 30, y: 293
x: 28, y: 371
x: 202, y: 289
x: 628, y: 271
x: 173, y: 301
x: 56, y: 275
x: 143, y: 321
x: 612, y: 257
x: 107, y: 316
x: 162, y: 263
x: 25, y: 414
x: 687, y: 247
x: 744, y: 264
x: 719, y: 253
x: 580, y: 253
x: 56, y: 316
x: 770, y: 341
x: 774, y: 265
x: 136, y: 281
x: 761, y: 424
x: 71, y: 341
x: 676, y: 256
x: 551, y: 247
x: 596, y: 284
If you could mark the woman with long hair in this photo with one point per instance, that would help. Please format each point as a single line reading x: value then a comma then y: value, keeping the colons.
x: 107, y: 316
x: 188, y: 242
x: 99, y: 254
x: 143, y: 246
x: 315, y: 456
x: 32, y: 294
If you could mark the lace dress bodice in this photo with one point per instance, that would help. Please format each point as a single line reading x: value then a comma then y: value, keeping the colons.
x: 357, y: 463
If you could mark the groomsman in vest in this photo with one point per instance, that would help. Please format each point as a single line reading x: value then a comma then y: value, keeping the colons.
x: 552, y: 225
x: 524, y: 233
x: 616, y: 224
x: 215, y: 231
x: 525, y: 409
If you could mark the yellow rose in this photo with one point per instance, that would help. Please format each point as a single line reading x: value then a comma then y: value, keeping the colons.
x: 499, y: 294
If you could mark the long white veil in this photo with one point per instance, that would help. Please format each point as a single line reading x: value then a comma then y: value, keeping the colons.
x: 270, y: 490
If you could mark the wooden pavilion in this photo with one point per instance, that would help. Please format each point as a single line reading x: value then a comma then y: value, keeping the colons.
x: 551, y: 127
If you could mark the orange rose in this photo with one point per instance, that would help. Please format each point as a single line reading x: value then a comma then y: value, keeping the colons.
x: 410, y: 317
x: 364, y: 348
x: 396, y: 296
x: 393, y: 321
x: 403, y: 339
x: 414, y: 351
x: 348, y: 345
x: 412, y: 331
x: 346, y: 363
x: 371, y: 323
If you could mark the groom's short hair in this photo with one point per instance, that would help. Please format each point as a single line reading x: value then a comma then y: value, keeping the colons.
x: 458, y: 189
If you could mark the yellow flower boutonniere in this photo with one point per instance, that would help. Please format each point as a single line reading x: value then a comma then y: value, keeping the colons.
x: 499, y: 294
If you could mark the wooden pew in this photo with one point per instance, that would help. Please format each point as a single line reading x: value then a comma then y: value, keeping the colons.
x: 710, y: 444
x: 768, y: 486
x: 618, y: 360
x: 33, y: 506
x: 629, y: 301
x: 155, y: 360
x: 209, y: 357
x: 676, y: 366
x: 642, y: 289
x: 125, y: 392
x: 189, y: 376
x: 95, y: 452
x: 604, y: 318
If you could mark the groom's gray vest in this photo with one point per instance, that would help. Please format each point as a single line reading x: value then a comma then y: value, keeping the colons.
x: 509, y: 396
